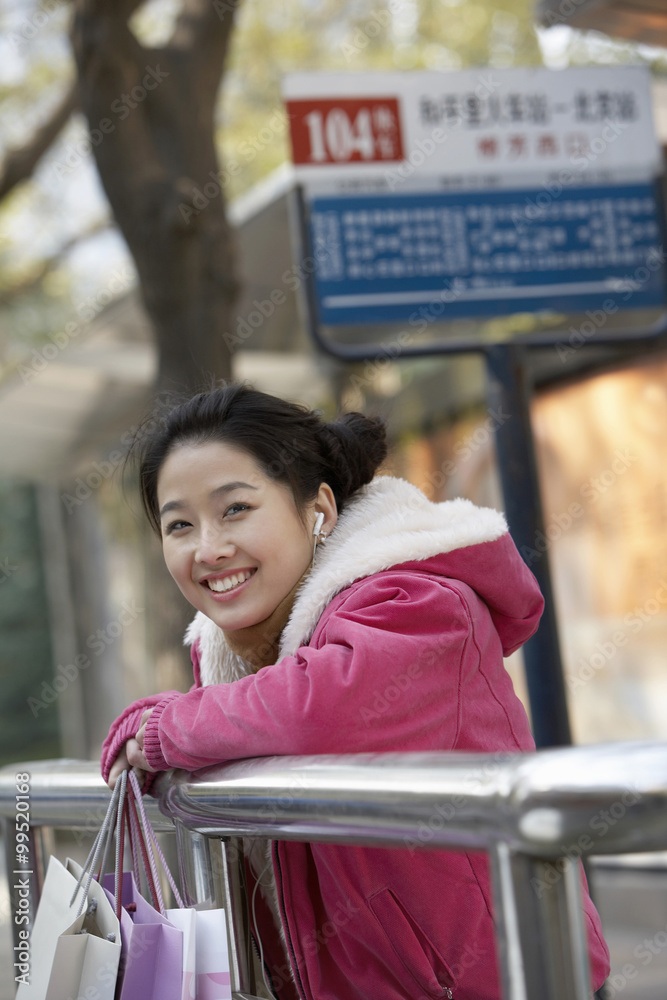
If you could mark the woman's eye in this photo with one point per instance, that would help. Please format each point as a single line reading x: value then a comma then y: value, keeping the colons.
x: 236, y: 508
x: 176, y: 526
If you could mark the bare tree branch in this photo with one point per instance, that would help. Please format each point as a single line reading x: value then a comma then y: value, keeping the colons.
x: 20, y: 163
x: 204, y: 22
x: 100, y: 27
x: 201, y: 37
x: 23, y: 287
x: 119, y: 11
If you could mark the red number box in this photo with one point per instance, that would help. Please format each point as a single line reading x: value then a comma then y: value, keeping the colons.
x: 348, y: 130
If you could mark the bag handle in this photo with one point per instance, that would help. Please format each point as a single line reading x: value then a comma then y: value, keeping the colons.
x: 121, y: 817
x: 102, y: 840
x: 139, y: 853
x: 153, y: 849
x: 135, y: 834
x: 125, y: 822
x: 121, y: 826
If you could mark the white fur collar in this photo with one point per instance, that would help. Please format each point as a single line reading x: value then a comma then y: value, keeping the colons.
x: 388, y: 522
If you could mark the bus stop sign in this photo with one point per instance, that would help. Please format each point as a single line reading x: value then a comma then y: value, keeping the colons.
x: 478, y: 193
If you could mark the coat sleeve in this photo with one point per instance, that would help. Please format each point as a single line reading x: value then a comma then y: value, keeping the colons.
x: 382, y: 671
x: 124, y: 728
x: 128, y: 722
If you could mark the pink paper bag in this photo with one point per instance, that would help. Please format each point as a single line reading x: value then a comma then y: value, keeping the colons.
x: 151, y: 961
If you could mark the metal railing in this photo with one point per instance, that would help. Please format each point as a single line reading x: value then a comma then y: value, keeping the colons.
x: 535, y: 814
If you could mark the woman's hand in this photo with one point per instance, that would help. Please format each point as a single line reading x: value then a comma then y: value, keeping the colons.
x: 132, y: 755
x: 135, y: 747
x: 120, y: 764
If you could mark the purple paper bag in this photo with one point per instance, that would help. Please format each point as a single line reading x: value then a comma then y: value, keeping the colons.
x: 151, y: 958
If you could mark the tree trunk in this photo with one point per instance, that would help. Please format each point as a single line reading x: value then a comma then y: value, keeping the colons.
x: 151, y: 118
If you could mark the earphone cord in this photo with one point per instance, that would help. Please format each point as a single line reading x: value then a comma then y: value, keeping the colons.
x: 254, y: 922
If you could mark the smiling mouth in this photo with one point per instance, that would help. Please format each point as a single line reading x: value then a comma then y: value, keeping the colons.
x: 229, y: 582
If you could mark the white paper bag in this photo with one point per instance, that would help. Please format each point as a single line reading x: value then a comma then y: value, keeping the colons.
x: 65, y: 964
x: 206, y: 973
x: 185, y: 920
x: 213, y: 978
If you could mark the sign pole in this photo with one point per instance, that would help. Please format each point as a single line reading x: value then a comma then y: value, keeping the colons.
x: 509, y: 391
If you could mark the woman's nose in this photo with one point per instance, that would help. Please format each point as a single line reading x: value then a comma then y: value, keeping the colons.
x: 212, y: 545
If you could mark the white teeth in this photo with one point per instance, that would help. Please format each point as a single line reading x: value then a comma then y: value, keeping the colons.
x: 220, y: 586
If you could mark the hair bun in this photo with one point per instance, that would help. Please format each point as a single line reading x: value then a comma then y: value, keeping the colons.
x: 355, y: 446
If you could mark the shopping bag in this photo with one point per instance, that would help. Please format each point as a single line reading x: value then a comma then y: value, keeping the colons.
x: 184, y: 918
x: 151, y: 965
x: 75, y: 939
x: 205, y: 955
x: 72, y: 955
x: 213, y: 977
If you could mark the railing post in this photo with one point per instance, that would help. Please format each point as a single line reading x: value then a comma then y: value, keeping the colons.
x: 238, y: 929
x: 540, y: 931
x: 200, y: 867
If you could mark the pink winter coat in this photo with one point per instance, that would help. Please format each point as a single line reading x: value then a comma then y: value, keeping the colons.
x: 407, y: 595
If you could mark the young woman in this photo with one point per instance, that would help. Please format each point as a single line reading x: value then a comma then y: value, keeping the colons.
x: 320, y: 591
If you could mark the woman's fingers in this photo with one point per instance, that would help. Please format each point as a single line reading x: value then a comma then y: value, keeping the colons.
x: 132, y: 755
x: 119, y: 765
x: 136, y: 756
x: 142, y: 729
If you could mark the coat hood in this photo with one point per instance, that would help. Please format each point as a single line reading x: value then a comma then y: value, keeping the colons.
x: 391, y: 523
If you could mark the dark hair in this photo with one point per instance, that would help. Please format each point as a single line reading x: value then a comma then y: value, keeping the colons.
x: 290, y: 443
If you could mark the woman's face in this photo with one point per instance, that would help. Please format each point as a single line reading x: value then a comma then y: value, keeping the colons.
x: 231, y: 537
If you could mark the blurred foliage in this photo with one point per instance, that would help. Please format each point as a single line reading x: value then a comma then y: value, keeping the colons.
x: 36, y: 66
x: 591, y: 48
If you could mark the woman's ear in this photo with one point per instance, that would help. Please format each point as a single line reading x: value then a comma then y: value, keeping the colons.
x: 325, y: 503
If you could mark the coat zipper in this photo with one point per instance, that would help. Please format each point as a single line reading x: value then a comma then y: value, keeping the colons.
x: 263, y: 964
x: 281, y: 899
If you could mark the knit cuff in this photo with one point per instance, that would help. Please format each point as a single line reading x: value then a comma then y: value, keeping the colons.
x: 122, y: 731
x: 152, y: 746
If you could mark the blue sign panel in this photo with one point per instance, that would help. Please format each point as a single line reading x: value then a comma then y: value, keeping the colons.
x: 384, y: 258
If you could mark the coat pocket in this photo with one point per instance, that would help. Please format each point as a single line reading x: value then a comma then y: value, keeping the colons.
x: 421, y: 964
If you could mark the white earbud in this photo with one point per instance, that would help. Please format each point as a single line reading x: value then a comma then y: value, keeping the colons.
x: 319, y: 521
